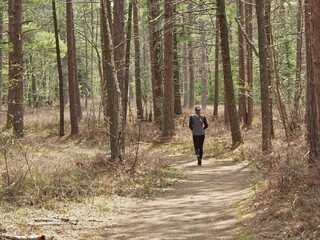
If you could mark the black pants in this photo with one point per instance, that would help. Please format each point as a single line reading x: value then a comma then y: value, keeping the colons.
x: 198, y: 144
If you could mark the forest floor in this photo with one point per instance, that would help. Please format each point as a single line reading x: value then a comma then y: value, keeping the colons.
x: 67, y: 188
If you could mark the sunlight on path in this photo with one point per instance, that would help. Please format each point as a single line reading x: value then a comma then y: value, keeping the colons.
x: 201, y: 207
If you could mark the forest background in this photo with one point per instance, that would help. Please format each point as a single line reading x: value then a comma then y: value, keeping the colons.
x: 125, y: 68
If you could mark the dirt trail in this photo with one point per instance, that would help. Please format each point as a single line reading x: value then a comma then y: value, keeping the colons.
x: 201, y: 207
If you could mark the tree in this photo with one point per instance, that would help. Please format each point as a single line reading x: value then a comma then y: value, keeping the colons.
x: 55, y: 22
x: 242, y: 81
x: 1, y: 53
x: 264, y: 77
x: 15, y: 115
x: 156, y: 58
x: 111, y: 84
x: 312, y: 15
x: 203, y: 64
x: 72, y: 69
x: 176, y: 77
x: 249, y: 31
x: 216, y: 68
x: 191, y: 60
x: 168, y: 113
x: 228, y: 81
x: 137, y: 68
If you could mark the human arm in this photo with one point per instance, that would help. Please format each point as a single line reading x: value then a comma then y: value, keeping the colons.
x: 190, y: 123
x: 205, y: 122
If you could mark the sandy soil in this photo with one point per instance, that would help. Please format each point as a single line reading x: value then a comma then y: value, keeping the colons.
x: 204, y: 206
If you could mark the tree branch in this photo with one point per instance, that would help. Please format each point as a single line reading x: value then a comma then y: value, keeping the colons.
x: 246, y: 37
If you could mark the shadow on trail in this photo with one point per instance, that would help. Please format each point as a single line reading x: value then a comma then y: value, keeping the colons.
x: 200, y: 207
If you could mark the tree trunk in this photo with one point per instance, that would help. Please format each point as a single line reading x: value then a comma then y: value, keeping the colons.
x: 313, y: 64
x: 156, y: 57
x: 242, y: 97
x: 56, y: 31
x: 264, y: 78
x: 72, y: 70
x: 298, y: 85
x: 177, y: 94
x: 112, y: 84
x: 249, y: 31
x: 15, y: 94
x: 228, y: 82
x: 168, y: 110
x: 216, y: 69
x: 185, y: 75
x: 191, y: 62
x: 203, y: 66
x: 119, y: 43
x: 1, y: 54
x: 127, y: 73
x: 137, y: 61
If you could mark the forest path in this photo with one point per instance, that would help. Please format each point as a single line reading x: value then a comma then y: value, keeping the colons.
x: 203, y: 206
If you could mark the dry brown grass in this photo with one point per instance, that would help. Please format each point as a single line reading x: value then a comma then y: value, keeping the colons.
x: 285, y: 201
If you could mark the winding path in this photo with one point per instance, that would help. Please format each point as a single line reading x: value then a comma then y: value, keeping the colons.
x: 204, y: 206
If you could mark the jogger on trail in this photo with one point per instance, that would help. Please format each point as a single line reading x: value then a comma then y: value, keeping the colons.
x: 198, y: 123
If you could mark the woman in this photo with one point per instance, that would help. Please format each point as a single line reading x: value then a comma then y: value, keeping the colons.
x: 198, y: 123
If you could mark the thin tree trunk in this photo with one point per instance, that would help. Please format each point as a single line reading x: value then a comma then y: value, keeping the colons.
x: 156, y: 58
x: 177, y: 92
x: 113, y: 88
x: 298, y: 85
x: 249, y: 31
x: 264, y: 78
x: 71, y: 70
x: 137, y: 61
x: 216, y: 69
x: 168, y: 113
x: 1, y: 54
x: 185, y: 75
x: 191, y: 62
x: 127, y: 73
x: 242, y: 97
x: 55, y: 23
x: 228, y: 82
x: 203, y: 66
x: 15, y: 94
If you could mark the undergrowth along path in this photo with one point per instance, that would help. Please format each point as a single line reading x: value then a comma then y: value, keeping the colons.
x: 203, y: 206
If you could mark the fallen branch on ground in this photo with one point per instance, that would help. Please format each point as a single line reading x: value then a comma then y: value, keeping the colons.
x: 14, y: 237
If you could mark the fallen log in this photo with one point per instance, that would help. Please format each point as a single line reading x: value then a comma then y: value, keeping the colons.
x: 14, y: 237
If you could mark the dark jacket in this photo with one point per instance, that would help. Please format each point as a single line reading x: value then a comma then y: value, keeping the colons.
x: 198, y: 124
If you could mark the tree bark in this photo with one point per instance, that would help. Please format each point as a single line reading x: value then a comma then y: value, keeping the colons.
x: 242, y: 97
x: 191, y: 61
x: 264, y: 78
x: 185, y: 75
x: 112, y: 85
x: 313, y: 64
x: 298, y: 85
x: 203, y: 66
x: 168, y: 111
x: 216, y: 69
x: 15, y: 94
x: 156, y: 56
x: 177, y: 83
x: 56, y: 31
x: 72, y: 70
x: 1, y: 54
x: 137, y: 61
x: 228, y: 82
x: 249, y: 30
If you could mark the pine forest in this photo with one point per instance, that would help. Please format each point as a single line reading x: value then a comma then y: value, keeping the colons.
x: 159, y: 119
